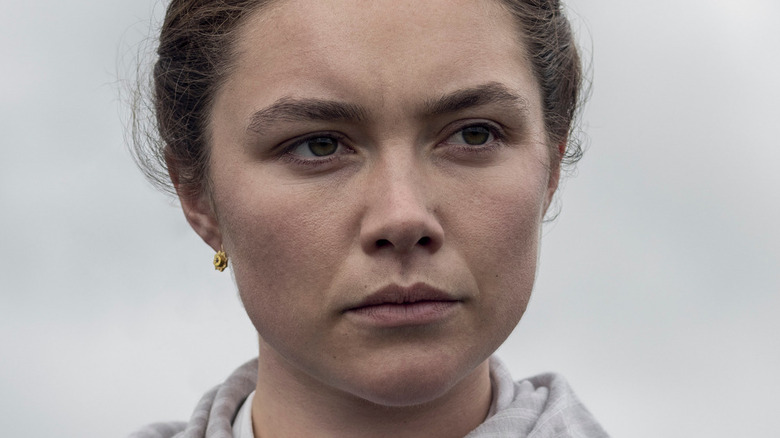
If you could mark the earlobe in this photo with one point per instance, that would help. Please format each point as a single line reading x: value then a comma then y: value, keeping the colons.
x: 200, y: 215
x: 555, y: 175
x: 197, y: 209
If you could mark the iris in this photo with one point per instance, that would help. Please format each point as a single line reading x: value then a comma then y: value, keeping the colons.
x: 475, y: 135
x: 322, y: 146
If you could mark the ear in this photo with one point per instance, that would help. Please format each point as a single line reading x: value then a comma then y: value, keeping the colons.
x: 199, y: 212
x: 202, y: 219
x: 555, y: 175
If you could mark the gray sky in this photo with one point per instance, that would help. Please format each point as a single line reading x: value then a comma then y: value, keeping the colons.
x: 659, y: 283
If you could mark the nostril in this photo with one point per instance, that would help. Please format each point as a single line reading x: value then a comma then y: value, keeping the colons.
x: 381, y: 243
x: 404, y: 243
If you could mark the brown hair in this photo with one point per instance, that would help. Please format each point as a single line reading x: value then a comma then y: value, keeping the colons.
x: 195, y: 55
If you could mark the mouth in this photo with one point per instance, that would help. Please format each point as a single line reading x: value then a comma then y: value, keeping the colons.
x: 395, y: 306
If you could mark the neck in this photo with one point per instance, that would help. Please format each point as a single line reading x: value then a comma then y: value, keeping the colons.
x: 289, y: 403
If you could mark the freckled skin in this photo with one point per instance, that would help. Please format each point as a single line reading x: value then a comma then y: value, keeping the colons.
x: 302, y: 239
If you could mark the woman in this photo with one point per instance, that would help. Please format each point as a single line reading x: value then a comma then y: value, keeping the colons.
x: 376, y: 174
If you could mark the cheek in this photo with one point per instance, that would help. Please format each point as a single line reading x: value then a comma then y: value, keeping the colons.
x: 502, y: 229
x: 284, y: 250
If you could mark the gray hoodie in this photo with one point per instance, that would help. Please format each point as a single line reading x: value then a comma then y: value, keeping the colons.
x: 543, y: 406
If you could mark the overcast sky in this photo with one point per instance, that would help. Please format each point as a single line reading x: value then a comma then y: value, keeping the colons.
x: 659, y: 285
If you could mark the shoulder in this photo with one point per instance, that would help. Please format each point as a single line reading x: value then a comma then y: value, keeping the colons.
x: 542, y: 406
x: 564, y: 415
x: 159, y: 430
x: 214, y: 412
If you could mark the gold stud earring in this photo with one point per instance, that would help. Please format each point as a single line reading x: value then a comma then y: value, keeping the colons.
x: 220, y: 260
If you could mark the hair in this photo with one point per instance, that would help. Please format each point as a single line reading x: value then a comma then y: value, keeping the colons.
x: 196, y: 53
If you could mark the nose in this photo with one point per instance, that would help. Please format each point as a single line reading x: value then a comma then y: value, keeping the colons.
x: 400, y: 212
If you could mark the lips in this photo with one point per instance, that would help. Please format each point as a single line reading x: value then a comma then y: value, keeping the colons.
x: 395, y: 294
x: 396, y: 305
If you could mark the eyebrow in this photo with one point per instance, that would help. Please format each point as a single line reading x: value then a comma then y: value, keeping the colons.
x: 489, y: 93
x: 289, y: 109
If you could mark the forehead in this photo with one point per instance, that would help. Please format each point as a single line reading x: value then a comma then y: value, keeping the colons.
x: 381, y: 52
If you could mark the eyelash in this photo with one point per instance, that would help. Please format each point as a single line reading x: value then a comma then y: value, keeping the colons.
x: 495, y: 131
x: 499, y: 136
x: 289, y: 155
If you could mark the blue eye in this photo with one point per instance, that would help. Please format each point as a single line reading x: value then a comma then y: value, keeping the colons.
x: 475, y: 135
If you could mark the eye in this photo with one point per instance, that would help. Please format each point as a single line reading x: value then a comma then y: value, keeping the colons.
x: 475, y: 135
x: 314, y: 147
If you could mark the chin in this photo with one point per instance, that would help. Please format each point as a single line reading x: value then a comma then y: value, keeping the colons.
x: 407, y: 381
x: 405, y: 393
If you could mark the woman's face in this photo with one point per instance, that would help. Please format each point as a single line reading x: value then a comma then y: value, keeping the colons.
x: 379, y: 176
